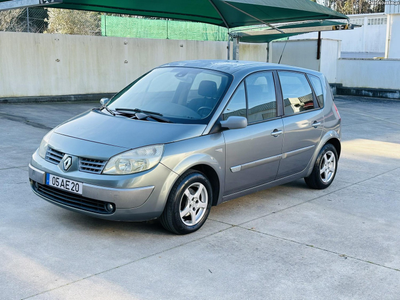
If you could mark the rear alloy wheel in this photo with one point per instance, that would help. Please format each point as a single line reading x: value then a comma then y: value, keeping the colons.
x: 325, y: 168
x: 188, y: 204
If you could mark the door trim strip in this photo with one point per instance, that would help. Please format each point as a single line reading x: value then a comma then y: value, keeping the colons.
x: 255, y: 163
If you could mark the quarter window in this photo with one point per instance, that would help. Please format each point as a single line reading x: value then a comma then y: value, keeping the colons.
x: 317, y: 85
x: 297, y: 94
x: 237, y: 104
x: 261, y: 97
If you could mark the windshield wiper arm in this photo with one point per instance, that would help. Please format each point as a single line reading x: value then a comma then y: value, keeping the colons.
x: 138, y: 110
x: 107, y: 109
x: 143, y: 114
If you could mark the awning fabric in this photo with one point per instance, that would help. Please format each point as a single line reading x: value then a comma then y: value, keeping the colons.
x: 228, y: 13
x: 268, y: 35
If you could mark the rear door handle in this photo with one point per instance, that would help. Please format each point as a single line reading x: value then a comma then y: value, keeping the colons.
x: 316, y: 124
x: 276, y: 132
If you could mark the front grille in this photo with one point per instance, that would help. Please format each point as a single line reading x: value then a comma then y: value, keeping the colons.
x: 72, y: 200
x: 54, y: 156
x: 93, y: 166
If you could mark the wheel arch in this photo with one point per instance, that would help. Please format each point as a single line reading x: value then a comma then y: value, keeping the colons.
x: 213, y: 177
x: 336, y: 143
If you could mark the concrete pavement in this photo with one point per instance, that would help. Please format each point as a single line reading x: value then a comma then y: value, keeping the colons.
x: 288, y: 242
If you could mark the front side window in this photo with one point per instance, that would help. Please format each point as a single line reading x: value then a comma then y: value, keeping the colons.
x: 297, y: 93
x: 182, y: 95
x: 261, y: 97
x: 317, y: 85
x: 237, y: 104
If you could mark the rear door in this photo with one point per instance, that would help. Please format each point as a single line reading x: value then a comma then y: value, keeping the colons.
x: 302, y: 121
x: 253, y: 153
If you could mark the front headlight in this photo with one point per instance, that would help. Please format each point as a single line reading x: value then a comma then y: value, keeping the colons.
x: 135, y: 161
x: 43, y: 146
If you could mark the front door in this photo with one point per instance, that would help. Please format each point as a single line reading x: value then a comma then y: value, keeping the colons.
x: 253, y: 153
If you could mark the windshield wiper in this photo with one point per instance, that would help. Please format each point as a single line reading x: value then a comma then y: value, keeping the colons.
x: 138, y: 110
x: 107, y: 109
x: 143, y: 114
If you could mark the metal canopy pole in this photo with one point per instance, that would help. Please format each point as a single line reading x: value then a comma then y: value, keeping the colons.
x: 319, y: 45
x: 236, y: 41
x: 228, y: 47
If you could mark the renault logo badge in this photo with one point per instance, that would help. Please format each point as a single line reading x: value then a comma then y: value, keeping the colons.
x: 67, y: 163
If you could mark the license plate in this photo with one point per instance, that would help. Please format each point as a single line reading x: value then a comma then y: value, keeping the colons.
x: 64, y: 184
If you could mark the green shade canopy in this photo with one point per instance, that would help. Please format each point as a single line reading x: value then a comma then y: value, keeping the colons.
x: 268, y: 35
x: 228, y: 13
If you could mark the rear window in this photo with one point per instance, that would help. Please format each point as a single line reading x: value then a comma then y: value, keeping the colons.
x: 317, y: 85
x: 297, y: 93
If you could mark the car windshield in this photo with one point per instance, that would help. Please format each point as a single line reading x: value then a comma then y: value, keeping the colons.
x: 181, y: 95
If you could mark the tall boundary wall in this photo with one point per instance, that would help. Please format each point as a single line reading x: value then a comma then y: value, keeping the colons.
x: 367, y: 77
x: 33, y: 65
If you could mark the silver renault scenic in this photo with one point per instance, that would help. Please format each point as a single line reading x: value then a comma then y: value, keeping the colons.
x: 189, y: 135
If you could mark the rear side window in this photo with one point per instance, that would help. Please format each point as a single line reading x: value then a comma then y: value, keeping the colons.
x: 297, y: 93
x: 261, y: 97
x: 317, y: 85
x: 237, y: 104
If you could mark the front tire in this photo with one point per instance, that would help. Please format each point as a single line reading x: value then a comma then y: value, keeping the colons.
x: 188, y: 204
x: 325, y: 168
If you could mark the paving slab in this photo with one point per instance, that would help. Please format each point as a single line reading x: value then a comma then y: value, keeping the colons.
x: 238, y: 264
x: 357, y: 222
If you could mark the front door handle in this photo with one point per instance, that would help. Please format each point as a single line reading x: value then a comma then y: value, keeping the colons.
x: 316, y: 124
x: 276, y: 132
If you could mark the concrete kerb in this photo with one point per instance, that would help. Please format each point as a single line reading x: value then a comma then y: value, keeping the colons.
x: 339, y: 89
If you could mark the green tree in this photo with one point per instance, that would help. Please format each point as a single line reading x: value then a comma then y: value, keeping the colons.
x: 10, y: 20
x: 73, y: 22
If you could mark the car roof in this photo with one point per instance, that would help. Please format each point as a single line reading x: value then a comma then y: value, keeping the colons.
x: 234, y: 66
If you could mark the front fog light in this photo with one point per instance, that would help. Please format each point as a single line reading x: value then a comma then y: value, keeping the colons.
x: 135, y: 161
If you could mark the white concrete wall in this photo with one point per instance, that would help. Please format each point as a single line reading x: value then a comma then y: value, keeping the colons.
x: 393, y: 37
x: 45, y: 64
x: 363, y: 73
x: 369, y: 73
x: 330, y: 52
x: 303, y: 53
x: 300, y: 53
x: 368, y: 38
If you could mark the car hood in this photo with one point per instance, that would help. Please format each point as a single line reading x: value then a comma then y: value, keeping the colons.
x: 118, y: 131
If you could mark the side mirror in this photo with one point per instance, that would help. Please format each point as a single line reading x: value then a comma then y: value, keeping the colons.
x: 104, y: 101
x: 234, y: 122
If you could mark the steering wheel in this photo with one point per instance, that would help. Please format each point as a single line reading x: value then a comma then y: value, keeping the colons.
x: 204, y: 111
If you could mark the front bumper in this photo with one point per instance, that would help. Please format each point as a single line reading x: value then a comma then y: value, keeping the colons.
x: 120, y: 198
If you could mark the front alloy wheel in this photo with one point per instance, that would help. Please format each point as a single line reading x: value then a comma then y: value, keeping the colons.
x: 188, y: 204
x: 193, y: 204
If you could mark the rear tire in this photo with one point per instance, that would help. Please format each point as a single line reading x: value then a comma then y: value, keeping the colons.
x: 188, y: 204
x: 325, y: 168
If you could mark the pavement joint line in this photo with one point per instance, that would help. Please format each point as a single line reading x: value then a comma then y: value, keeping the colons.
x: 316, y: 198
x: 298, y: 204
x: 376, y: 118
x: 321, y: 249
x: 8, y: 168
x: 361, y: 181
x: 129, y: 263
x: 23, y: 120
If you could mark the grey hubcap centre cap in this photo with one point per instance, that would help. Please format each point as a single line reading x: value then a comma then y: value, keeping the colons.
x: 193, y: 205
